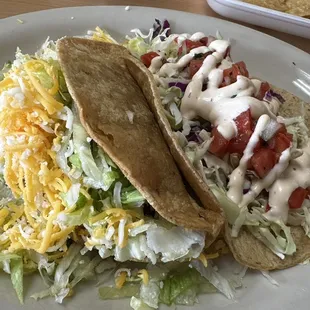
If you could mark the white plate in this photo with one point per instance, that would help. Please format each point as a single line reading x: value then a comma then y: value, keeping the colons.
x: 261, y: 16
x: 265, y: 56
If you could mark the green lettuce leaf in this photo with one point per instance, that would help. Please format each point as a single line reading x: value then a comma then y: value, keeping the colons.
x: 128, y: 290
x: 17, y: 276
x: 177, y: 284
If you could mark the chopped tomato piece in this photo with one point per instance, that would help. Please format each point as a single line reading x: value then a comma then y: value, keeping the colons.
x: 268, y: 207
x: 147, y: 58
x: 264, y: 87
x: 188, y: 45
x: 239, y: 143
x: 239, y: 68
x: 245, y: 128
x: 194, y: 66
x: 279, y: 142
x: 204, y: 41
x: 263, y: 161
x: 282, y: 128
x: 297, y: 198
x: 230, y: 74
x: 244, y: 121
x: 219, y: 144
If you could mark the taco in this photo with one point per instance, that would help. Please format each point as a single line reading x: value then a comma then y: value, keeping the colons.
x: 87, y: 183
x: 116, y: 115
x: 240, y: 143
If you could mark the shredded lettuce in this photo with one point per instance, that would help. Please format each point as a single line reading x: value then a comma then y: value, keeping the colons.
x: 95, y: 177
x: 188, y: 298
x: 138, y: 304
x: 137, y: 46
x: 75, y: 161
x: 72, y: 269
x: 149, y: 293
x: 174, y: 243
x: 130, y: 195
x: 128, y: 290
x: 176, y: 285
x: 214, y: 278
x: 75, y: 218
x: 13, y: 264
x: 17, y: 276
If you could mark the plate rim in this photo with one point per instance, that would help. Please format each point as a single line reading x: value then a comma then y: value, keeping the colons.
x: 89, y: 7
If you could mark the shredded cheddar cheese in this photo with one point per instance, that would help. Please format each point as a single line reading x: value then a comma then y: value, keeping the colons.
x: 120, y: 280
x: 30, y: 167
x: 143, y: 274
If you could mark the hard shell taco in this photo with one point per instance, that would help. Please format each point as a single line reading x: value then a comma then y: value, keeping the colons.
x: 240, y: 143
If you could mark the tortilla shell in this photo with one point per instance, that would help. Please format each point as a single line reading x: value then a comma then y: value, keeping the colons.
x: 148, y: 85
x: 246, y: 249
x: 249, y: 251
x: 105, y: 93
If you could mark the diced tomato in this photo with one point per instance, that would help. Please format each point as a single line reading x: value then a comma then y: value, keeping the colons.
x: 268, y: 207
x: 230, y: 74
x: 204, y: 41
x: 263, y: 161
x: 279, y: 142
x: 239, y: 143
x: 297, y: 198
x: 239, y: 68
x: 244, y: 121
x: 282, y: 128
x: 219, y: 144
x: 245, y: 128
x: 147, y: 58
x: 264, y: 87
x: 188, y: 45
x: 194, y: 66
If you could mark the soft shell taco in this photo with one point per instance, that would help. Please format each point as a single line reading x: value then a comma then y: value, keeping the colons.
x: 239, y: 142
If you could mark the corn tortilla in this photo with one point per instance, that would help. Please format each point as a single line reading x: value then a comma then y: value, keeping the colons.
x: 246, y: 249
x: 104, y: 92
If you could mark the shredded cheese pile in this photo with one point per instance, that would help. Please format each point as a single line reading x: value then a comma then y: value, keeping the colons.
x: 114, y: 224
x: 28, y: 128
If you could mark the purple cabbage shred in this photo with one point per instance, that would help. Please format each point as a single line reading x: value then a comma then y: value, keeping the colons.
x: 194, y: 133
x: 159, y: 27
x: 180, y: 85
x: 270, y: 93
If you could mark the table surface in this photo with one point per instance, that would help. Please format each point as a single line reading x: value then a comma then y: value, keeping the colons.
x: 14, y: 7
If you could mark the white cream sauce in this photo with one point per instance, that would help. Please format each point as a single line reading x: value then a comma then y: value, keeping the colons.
x: 194, y: 37
x: 221, y: 106
x: 266, y: 182
x: 171, y: 69
x: 296, y: 175
x: 216, y: 104
x: 156, y: 64
x: 237, y: 178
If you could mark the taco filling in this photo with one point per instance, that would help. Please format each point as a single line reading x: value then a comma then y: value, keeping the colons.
x: 68, y: 210
x: 231, y: 129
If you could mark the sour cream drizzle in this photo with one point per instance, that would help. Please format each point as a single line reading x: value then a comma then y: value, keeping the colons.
x: 221, y: 106
x: 171, y: 69
x: 236, y: 182
x: 156, y: 64
x: 296, y: 175
x: 266, y: 182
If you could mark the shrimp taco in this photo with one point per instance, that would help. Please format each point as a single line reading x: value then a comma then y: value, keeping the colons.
x: 240, y: 143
